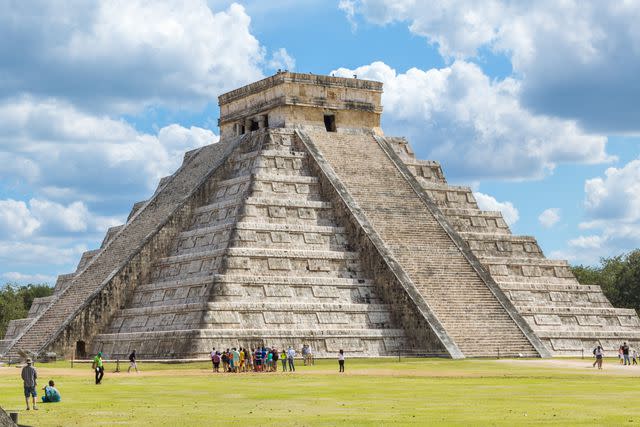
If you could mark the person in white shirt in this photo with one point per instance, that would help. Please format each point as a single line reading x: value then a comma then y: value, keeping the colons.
x: 341, y: 360
x: 291, y: 353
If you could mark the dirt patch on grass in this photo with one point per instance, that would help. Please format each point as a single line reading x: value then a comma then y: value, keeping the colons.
x: 582, y: 365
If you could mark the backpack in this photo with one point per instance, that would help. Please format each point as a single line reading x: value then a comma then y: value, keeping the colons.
x: 216, y: 358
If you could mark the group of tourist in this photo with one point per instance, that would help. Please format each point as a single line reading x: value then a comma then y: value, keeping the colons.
x: 29, y: 376
x: 626, y: 355
x: 260, y: 359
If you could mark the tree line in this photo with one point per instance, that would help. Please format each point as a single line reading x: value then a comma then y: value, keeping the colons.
x: 15, y: 301
x: 618, y: 276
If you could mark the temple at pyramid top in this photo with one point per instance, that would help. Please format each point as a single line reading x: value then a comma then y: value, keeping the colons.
x: 304, y: 101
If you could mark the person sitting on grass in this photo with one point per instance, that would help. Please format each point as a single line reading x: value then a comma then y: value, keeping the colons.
x: 51, y: 393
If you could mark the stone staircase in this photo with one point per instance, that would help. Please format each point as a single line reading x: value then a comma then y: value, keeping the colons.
x: 469, y: 311
x: 263, y: 262
x: 569, y: 318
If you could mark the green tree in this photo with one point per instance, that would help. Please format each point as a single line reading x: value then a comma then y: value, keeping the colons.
x: 618, y: 276
x: 16, y: 300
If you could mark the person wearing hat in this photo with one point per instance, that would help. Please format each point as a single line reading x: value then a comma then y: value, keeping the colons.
x: 98, y: 367
x: 29, y: 379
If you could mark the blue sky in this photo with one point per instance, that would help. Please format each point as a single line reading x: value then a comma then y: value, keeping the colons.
x: 532, y: 105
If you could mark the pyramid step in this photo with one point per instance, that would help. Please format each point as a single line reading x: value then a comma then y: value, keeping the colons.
x: 526, y: 267
x: 502, y: 245
x: 425, y: 170
x: 476, y: 220
x: 270, y: 153
x: 294, y: 236
x: 576, y: 311
x: 573, y: 287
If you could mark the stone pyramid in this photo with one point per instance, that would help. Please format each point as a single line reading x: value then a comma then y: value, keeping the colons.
x: 305, y: 225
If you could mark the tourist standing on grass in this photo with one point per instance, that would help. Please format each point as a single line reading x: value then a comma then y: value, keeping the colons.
x: 248, y: 356
x: 133, y: 362
x: 225, y: 361
x: 236, y: 360
x: 270, y: 360
x: 625, y: 354
x: 211, y: 355
x: 341, y: 360
x: 283, y: 357
x: 98, y: 367
x: 51, y: 393
x: 29, y: 380
x: 599, y: 354
x: 215, y: 360
x: 635, y: 357
x: 275, y: 360
x: 620, y: 360
x: 291, y: 354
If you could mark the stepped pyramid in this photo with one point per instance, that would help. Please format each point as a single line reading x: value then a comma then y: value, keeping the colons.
x: 306, y: 225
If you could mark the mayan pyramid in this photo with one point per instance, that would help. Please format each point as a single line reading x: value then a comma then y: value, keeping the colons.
x: 305, y: 225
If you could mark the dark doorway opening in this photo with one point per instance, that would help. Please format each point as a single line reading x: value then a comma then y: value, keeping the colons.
x: 330, y: 122
x: 254, y: 125
x: 81, y: 352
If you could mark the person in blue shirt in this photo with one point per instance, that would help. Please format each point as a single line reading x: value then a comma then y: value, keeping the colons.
x: 51, y: 393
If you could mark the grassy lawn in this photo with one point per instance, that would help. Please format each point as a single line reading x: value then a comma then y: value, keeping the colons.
x: 372, y: 392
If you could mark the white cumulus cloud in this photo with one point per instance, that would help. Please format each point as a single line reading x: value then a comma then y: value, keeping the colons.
x: 123, y: 55
x: 549, y: 217
x: 281, y: 60
x: 568, y: 52
x: 476, y: 126
x: 77, y: 155
x: 16, y: 220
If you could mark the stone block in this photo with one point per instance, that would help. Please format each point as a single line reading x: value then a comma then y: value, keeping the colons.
x: 331, y: 317
x: 547, y: 319
x: 319, y: 265
x: 279, y: 263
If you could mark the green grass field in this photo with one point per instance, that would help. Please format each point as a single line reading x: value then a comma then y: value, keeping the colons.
x: 372, y: 392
